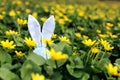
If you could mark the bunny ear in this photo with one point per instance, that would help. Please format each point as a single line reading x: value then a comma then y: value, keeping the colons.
x: 48, y: 28
x: 34, y: 28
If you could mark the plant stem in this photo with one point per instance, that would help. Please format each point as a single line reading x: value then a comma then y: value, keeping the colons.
x: 95, y: 58
x: 101, y: 57
x: 17, y: 25
x: 56, y: 64
x: 74, y: 29
x: 88, y: 55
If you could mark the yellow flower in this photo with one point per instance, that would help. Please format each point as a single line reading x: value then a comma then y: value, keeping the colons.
x: 75, y: 53
x: 111, y: 35
x: 54, y: 35
x: 103, y: 35
x: 27, y: 3
x: 109, y: 25
x: 20, y: 54
x: 108, y: 28
x: 70, y: 7
x: 66, y: 18
x: 60, y: 14
x: 93, y: 16
x: 3, y: 12
x: 85, y: 37
x: 64, y: 39
x: 28, y: 11
x: 29, y: 42
x: 57, y: 55
x: 8, y: 44
x: 21, y: 22
x: 98, y: 31
x: 57, y: 18
x: 70, y: 11
x: 18, y: 12
x: 81, y: 13
x: 46, y: 9
x: 113, y: 70
x: 78, y: 35
x: 61, y: 21
x: 34, y: 14
x: 106, y: 45
x: 1, y: 17
x: 12, y: 13
x: 24, y: 22
x: 11, y: 32
x: 103, y: 42
x: 95, y: 50
x: 118, y: 24
x: 88, y: 42
x: 43, y: 19
x: 81, y: 28
x: 47, y: 41
x: 37, y: 76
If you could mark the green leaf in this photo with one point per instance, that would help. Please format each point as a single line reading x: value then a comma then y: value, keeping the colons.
x: 10, y: 66
x: 85, y: 76
x: 49, y: 70
x: 107, y: 54
x: 60, y: 46
x: 7, y: 66
x: 117, y: 61
x: 61, y: 62
x: 102, y: 63
x: 5, y: 57
x: 51, y: 63
x: 95, y: 77
x: 95, y: 69
x: 56, y: 76
x: 70, y: 69
x: 118, y: 78
x: 27, y: 68
x: 111, y: 78
x: 76, y: 62
x: 67, y: 49
x: 82, y: 51
x: 75, y: 68
x: 37, y: 59
x: 5, y: 74
x: 18, y: 41
x: 77, y: 73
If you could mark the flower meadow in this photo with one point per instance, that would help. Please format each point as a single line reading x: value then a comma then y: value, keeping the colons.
x: 85, y: 44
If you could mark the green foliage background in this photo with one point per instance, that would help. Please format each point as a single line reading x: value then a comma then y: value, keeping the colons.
x: 13, y: 67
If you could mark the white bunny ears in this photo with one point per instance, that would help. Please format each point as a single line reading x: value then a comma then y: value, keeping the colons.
x: 35, y: 29
x: 36, y: 34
